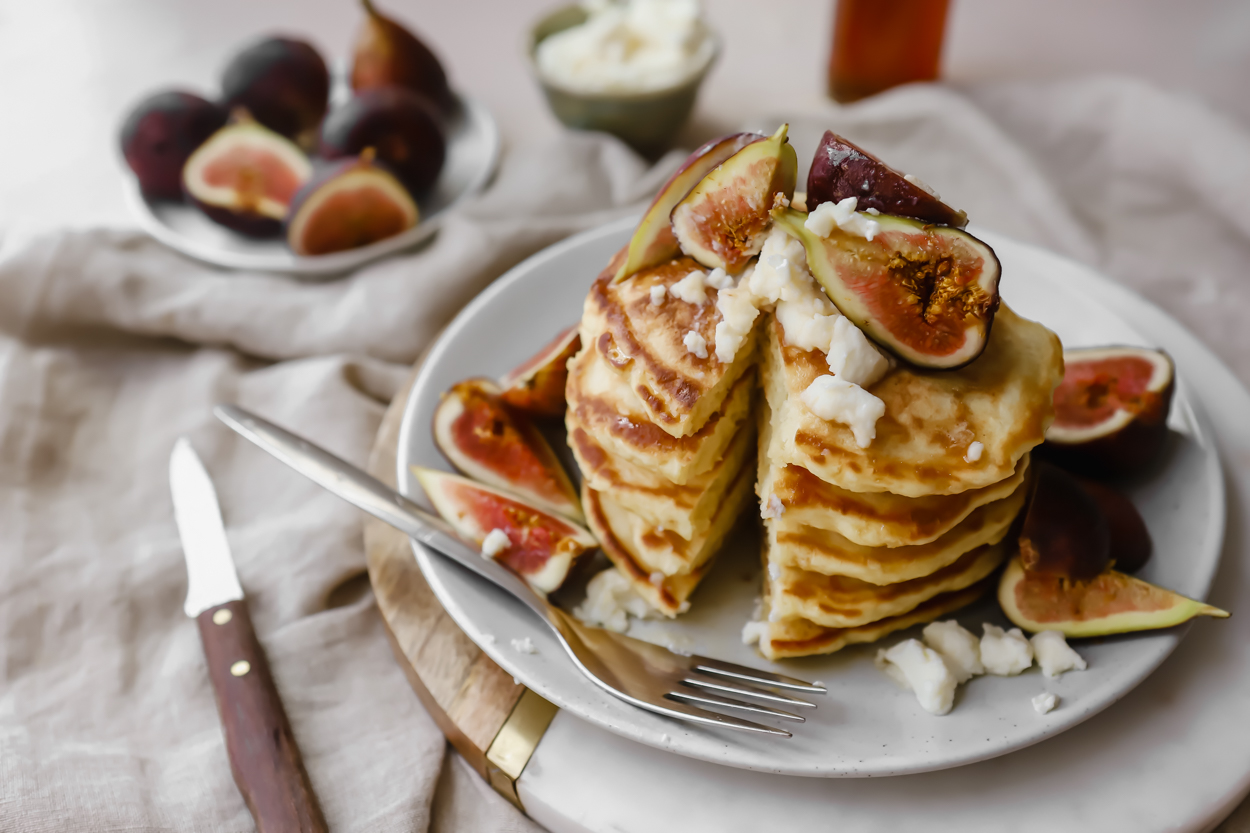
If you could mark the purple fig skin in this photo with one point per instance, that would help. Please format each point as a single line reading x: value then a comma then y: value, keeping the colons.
x: 841, y: 169
x: 161, y: 132
x: 653, y: 241
x: 283, y: 83
x: 1064, y: 532
x: 1131, y: 546
x: 387, y: 54
x: 402, y: 127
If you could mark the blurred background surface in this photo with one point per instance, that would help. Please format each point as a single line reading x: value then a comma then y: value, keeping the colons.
x: 71, y: 68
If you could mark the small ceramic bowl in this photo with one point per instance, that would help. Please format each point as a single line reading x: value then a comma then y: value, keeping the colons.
x: 647, y: 122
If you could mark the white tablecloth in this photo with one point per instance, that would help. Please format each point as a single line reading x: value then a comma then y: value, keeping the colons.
x: 111, y: 347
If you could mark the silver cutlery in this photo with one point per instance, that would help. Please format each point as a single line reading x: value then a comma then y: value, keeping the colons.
x: 649, y: 676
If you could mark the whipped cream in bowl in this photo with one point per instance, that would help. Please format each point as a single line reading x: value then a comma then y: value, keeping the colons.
x: 627, y: 67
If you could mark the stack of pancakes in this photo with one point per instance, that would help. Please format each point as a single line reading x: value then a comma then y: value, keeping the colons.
x: 860, y: 542
x: 665, y: 439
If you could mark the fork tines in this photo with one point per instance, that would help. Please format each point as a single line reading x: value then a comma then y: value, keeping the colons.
x: 752, y: 675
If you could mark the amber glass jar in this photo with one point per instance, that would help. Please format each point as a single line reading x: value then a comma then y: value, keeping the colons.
x: 878, y: 44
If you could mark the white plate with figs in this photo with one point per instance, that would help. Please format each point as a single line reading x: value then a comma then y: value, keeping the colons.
x: 472, y: 154
x: 865, y: 725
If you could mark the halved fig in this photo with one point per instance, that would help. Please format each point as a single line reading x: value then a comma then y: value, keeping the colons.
x: 541, y: 547
x: 348, y: 205
x: 1064, y: 533
x: 1111, y: 410
x: 483, y: 439
x: 653, y: 241
x: 245, y: 176
x: 842, y: 169
x: 926, y: 293
x: 1131, y: 546
x: 724, y: 219
x: 537, y: 386
x: 1111, y: 602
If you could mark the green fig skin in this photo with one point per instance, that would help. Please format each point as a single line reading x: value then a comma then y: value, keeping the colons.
x: 1110, y: 603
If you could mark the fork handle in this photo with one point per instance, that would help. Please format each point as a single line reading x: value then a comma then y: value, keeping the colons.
x: 366, y: 492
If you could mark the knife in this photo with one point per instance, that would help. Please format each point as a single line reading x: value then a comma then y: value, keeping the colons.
x: 263, y: 756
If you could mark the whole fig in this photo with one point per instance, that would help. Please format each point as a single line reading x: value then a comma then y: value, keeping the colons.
x: 161, y: 132
x: 283, y: 83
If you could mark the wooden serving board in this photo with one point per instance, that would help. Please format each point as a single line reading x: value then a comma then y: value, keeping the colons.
x: 493, y: 721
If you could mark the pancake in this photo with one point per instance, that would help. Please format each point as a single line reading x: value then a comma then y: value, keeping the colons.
x: 845, y: 602
x: 644, y: 342
x: 804, y: 548
x: 1002, y: 400
x: 801, y: 638
x: 685, y: 510
x: 601, y: 403
x: 666, y: 552
x: 670, y: 594
x: 870, y: 519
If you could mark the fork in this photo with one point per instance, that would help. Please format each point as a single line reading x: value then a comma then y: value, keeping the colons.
x: 648, y: 676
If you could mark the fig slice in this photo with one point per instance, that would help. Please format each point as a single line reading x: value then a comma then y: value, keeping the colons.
x: 483, y: 439
x: 245, y: 176
x: 1064, y: 532
x: 1131, y: 545
x: 348, y: 205
x: 537, y: 385
x: 541, y: 547
x: 653, y: 241
x: 842, y: 169
x: 1111, y: 410
x: 926, y: 293
x: 1110, y: 603
x: 724, y: 219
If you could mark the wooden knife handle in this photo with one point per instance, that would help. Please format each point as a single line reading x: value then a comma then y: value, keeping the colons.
x: 263, y: 755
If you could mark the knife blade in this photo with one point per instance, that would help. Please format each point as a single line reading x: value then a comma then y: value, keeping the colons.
x: 264, y: 758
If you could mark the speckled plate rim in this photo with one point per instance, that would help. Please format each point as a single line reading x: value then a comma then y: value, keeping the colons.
x: 480, y: 126
x: 473, y: 606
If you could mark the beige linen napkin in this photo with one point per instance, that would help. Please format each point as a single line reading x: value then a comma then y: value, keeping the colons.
x: 112, y: 346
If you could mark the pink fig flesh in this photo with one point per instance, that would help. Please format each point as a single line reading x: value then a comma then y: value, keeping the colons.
x: 349, y: 205
x: 537, y: 386
x: 541, y: 547
x: 485, y: 440
x: 1111, y: 410
x: 653, y: 241
x: 724, y: 219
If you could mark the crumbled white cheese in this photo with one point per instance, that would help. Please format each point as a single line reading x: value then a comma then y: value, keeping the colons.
x: 657, y: 294
x: 772, y: 508
x: 975, y: 449
x: 874, y: 212
x: 664, y: 738
x: 1054, y: 654
x: 923, y: 671
x: 524, y: 646
x: 922, y: 185
x: 835, y: 400
x: 1044, y: 702
x: 696, y: 344
x: 738, y: 313
x: 753, y: 632
x: 808, y: 323
x: 718, y: 279
x: 691, y: 288
x: 495, y: 542
x: 781, y: 273
x: 638, y: 46
x: 610, y: 601
x: 489, y: 639
x: 841, y: 215
x: 959, y: 648
x: 1005, y: 653
x: 774, y: 570
x: 656, y: 578
x: 852, y: 357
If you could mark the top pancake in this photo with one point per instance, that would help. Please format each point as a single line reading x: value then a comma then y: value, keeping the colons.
x: 645, y: 343
x: 1002, y: 400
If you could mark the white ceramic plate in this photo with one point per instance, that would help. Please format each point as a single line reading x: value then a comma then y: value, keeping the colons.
x: 472, y: 154
x: 865, y: 726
